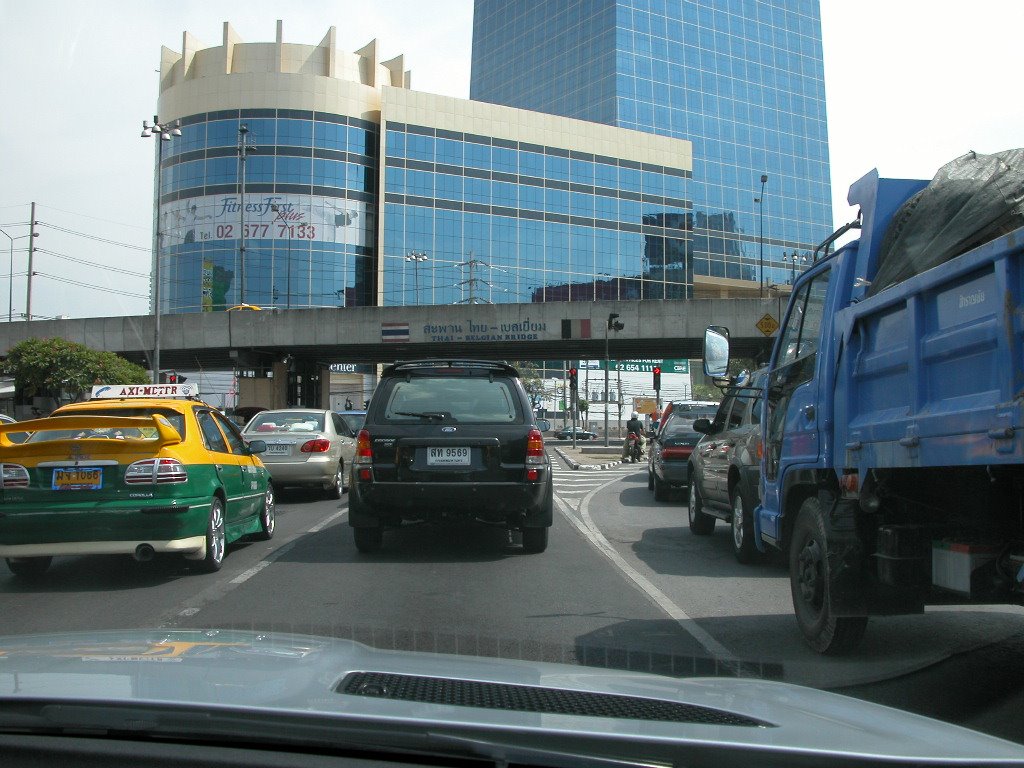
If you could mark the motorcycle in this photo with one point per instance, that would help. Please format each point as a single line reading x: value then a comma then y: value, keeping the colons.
x: 634, y: 448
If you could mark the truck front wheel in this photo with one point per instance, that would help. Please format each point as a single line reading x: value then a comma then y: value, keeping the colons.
x: 808, y: 581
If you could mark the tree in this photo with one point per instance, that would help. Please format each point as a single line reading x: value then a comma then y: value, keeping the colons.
x: 534, y: 385
x: 52, y: 367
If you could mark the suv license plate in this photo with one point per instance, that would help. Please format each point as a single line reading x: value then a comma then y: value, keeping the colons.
x: 77, y: 479
x: 447, y: 457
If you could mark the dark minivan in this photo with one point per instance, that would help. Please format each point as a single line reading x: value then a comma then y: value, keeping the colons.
x: 725, y: 467
x: 450, y: 439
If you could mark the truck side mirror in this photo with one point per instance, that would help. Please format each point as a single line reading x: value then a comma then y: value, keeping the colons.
x: 716, y: 352
x: 703, y: 426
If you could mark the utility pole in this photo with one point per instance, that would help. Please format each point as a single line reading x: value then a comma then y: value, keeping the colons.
x: 31, y: 253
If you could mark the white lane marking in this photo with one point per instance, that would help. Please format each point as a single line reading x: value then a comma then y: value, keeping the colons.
x: 215, y: 592
x: 588, y: 528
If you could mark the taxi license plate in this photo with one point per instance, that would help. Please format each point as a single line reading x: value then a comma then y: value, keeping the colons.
x: 447, y: 457
x: 278, y: 448
x: 77, y: 479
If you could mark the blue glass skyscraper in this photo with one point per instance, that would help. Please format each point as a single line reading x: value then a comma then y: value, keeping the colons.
x: 742, y: 79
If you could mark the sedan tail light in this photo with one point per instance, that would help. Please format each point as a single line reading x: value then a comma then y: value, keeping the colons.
x: 155, y: 471
x: 13, y: 476
x: 677, y: 452
x: 319, y: 445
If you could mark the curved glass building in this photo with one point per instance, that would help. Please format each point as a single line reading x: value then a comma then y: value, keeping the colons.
x: 302, y: 123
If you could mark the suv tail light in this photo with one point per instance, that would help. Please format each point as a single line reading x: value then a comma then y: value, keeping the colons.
x: 534, y: 454
x: 364, y: 451
x: 13, y: 476
x: 535, y: 447
x: 319, y: 445
x: 155, y: 471
x: 364, y: 455
x: 677, y: 452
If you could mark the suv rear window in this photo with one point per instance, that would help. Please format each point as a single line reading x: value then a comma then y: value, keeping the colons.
x: 468, y: 400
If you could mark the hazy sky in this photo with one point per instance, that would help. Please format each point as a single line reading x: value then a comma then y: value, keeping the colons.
x: 910, y: 84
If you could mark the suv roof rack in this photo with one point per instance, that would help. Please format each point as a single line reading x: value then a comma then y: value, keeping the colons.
x: 410, y: 365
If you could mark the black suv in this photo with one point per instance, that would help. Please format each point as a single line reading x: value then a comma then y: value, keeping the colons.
x: 725, y: 468
x: 450, y: 438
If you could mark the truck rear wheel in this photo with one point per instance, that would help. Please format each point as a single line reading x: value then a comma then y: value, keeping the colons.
x: 808, y: 581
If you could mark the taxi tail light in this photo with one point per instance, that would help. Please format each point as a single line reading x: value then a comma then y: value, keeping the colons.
x: 535, y: 447
x: 319, y: 445
x: 364, y: 450
x: 677, y: 452
x: 13, y: 476
x: 155, y: 471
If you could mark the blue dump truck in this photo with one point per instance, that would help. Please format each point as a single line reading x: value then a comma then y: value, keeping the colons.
x: 893, y: 458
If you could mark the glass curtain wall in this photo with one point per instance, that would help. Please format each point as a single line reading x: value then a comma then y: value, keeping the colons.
x: 502, y: 221
x: 309, y: 218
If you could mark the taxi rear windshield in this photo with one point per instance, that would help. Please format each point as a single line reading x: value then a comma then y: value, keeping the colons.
x: 176, y: 419
x: 469, y: 400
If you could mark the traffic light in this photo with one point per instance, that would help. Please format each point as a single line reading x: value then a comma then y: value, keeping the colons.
x: 573, y: 381
x: 657, y: 378
x: 173, y: 377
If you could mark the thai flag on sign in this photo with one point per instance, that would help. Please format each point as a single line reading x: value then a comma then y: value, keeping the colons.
x: 394, y: 332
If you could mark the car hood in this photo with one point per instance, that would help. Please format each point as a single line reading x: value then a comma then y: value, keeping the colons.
x: 330, y: 691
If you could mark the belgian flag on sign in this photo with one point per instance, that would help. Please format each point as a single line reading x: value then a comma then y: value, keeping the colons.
x: 576, y: 329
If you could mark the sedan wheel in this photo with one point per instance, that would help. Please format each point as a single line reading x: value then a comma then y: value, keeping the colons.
x: 29, y: 567
x: 337, y: 487
x: 216, y: 541
x: 268, y: 517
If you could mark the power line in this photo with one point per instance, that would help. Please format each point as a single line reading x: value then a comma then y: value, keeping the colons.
x: 96, y: 237
x: 97, y: 218
x: 92, y: 263
x: 89, y: 285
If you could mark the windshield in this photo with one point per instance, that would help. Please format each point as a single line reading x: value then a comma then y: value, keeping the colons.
x: 176, y: 419
x: 288, y: 220
x: 286, y: 421
x: 467, y: 400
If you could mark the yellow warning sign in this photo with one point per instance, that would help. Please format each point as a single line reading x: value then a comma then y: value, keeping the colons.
x: 767, y: 325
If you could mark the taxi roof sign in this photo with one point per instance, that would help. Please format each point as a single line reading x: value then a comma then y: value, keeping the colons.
x: 119, y: 391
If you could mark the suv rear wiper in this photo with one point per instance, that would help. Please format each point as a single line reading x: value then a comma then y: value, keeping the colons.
x: 424, y: 415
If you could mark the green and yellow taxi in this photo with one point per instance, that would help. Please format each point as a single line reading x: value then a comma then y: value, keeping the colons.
x: 135, y: 470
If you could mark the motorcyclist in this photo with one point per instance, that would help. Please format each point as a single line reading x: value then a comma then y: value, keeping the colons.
x: 635, y: 426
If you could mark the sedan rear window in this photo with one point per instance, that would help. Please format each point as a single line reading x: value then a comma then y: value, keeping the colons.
x: 469, y: 400
x: 176, y: 419
x: 294, y: 421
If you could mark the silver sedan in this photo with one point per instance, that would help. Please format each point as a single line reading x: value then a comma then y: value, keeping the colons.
x: 305, y: 446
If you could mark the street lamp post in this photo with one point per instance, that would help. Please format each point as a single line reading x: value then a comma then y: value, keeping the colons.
x: 288, y: 283
x: 162, y: 132
x: 612, y: 325
x: 416, y: 257
x: 10, y: 276
x: 760, y: 259
x: 244, y: 148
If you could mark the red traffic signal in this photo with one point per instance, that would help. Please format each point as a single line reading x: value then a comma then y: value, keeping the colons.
x: 572, y: 378
x: 657, y: 378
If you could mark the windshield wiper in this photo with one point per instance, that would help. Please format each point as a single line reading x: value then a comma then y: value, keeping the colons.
x: 424, y: 415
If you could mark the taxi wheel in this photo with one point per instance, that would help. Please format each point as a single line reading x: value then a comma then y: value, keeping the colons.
x: 337, y: 488
x: 29, y: 567
x: 268, y: 517
x: 215, y: 538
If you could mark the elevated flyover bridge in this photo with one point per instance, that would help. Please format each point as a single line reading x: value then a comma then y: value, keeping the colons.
x: 310, y: 339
